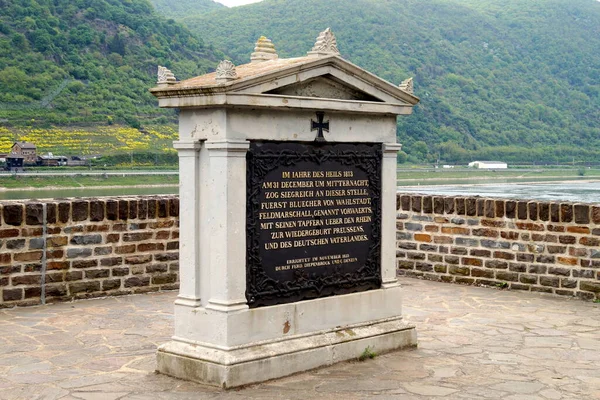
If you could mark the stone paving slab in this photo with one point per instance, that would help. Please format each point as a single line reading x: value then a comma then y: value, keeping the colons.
x: 474, y: 343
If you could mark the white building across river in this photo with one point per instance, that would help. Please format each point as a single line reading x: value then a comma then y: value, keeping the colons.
x: 488, y: 165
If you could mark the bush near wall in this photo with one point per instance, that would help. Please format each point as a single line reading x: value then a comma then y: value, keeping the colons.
x: 522, y: 245
x: 87, y: 247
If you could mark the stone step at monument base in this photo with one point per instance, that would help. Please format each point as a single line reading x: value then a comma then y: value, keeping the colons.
x: 264, y: 361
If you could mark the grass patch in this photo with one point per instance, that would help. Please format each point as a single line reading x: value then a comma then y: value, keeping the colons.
x: 17, y: 182
x: 367, y: 353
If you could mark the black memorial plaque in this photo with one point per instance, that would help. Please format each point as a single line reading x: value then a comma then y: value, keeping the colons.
x: 313, y: 220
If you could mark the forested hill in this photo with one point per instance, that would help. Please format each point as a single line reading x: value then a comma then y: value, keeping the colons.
x: 512, y: 79
x: 65, y: 62
x: 183, y: 8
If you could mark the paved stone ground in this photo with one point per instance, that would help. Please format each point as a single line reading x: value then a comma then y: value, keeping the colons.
x: 474, y: 343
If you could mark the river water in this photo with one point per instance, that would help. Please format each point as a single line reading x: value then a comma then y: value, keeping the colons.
x: 584, y: 192
x: 87, y: 192
x: 579, y: 192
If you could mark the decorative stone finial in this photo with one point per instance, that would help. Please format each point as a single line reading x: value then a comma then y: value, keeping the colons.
x: 165, y: 76
x: 264, y: 51
x: 226, y: 72
x: 407, y: 86
x: 326, y: 45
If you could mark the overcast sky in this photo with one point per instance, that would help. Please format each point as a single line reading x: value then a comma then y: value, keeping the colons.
x: 233, y: 3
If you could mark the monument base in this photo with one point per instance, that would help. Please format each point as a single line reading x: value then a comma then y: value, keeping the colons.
x: 260, y: 362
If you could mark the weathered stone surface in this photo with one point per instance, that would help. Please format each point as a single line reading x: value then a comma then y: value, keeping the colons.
x: 137, y: 281
x: 64, y: 212
x: 86, y: 239
x: 78, y: 252
x: 84, y: 263
x: 34, y: 214
x: 590, y: 286
x: 28, y: 256
x: 80, y: 210
x: 96, y: 210
x: 15, y: 244
x: 449, y: 205
x: 84, y: 287
x: 12, y: 214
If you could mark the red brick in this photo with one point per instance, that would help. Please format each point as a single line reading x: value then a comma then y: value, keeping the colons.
x: 57, y: 241
x: 419, y: 237
x: 578, y: 252
x: 504, y: 255
x: 12, y: 294
x: 57, y: 253
x: 9, y: 233
x: 29, y: 256
x: 57, y: 265
x: 443, y: 239
x: 137, y: 236
x: 97, y: 228
x: 567, y: 260
x: 578, y: 229
x: 162, y: 224
x: 455, y: 231
x: 26, y: 280
x: 510, y: 235
x: 144, y: 247
x: 528, y: 226
x: 161, y: 235
x: 28, y: 232
x: 5, y: 258
x: 491, y: 223
x: 472, y: 261
x: 589, y: 241
x: 486, y: 232
x: 127, y: 249
x: 112, y: 238
x: 596, y: 215
x: 140, y: 259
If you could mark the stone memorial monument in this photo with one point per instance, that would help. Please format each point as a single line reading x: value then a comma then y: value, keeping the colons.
x: 288, y: 216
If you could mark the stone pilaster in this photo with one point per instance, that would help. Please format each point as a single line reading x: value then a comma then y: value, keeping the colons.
x: 388, y: 207
x: 226, y: 224
x: 190, y: 224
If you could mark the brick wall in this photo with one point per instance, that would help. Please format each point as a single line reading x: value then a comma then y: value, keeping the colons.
x: 115, y: 246
x: 87, y: 248
x: 522, y: 245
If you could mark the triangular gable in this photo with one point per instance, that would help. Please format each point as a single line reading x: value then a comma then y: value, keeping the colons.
x: 325, y: 87
x: 327, y: 77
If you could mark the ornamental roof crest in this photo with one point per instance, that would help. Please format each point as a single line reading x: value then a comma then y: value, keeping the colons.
x: 326, y: 45
x: 165, y: 76
x: 264, y: 50
x: 225, y: 72
x: 408, y: 86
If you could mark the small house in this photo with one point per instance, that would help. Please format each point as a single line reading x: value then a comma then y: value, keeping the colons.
x: 26, y: 150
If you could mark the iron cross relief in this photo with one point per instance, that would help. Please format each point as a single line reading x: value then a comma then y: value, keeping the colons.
x: 319, y: 126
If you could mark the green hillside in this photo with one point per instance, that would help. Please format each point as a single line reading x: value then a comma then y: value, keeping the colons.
x: 514, y: 80
x: 89, y: 62
x: 182, y: 8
